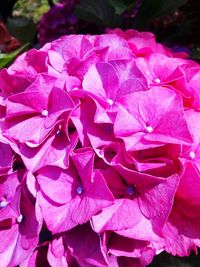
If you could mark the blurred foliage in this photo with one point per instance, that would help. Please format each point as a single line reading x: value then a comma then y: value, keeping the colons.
x: 173, y: 22
x: 196, y: 53
x: 7, y: 59
x: 33, y: 9
x: 181, y: 25
x: 22, y: 28
x: 151, y: 9
x: 121, y: 5
x: 103, y: 12
x: 26, y: 14
x: 166, y: 260
x: 98, y: 12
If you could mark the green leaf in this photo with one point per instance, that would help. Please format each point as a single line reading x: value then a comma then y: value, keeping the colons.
x: 151, y: 9
x: 31, y: 9
x: 121, y: 5
x: 98, y: 12
x: 22, y: 28
x: 195, y: 53
x: 6, y: 59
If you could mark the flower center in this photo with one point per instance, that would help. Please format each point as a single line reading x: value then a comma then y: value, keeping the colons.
x: 157, y: 80
x: 20, y: 218
x: 108, y: 128
x: 59, y: 133
x: 192, y: 155
x: 75, y: 88
x: 79, y: 190
x: 45, y: 113
x: 3, y: 204
x: 149, y: 129
x: 131, y: 190
x: 110, y: 101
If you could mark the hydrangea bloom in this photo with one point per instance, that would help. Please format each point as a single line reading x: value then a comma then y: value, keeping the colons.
x: 100, y: 153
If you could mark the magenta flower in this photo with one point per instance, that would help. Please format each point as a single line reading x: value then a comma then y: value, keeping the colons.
x: 38, y: 257
x: 90, y: 132
x: 87, y: 193
x: 18, y: 222
x: 91, y: 254
x: 129, y: 252
x: 35, y: 111
x: 54, y: 151
x: 105, y: 83
x: 99, y: 153
x: 146, y: 124
x: 6, y: 158
x: 142, y: 44
x: 183, y: 222
x: 144, y: 205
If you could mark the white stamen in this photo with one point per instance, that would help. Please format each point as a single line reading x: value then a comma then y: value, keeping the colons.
x: 110, y: 101
x: 20, y: 218
x: 149, y: 129
x: 157, y: 80
x: 192, y: 155
x: 75, y: 88
x: 45, y: 113
x: 3, y: 204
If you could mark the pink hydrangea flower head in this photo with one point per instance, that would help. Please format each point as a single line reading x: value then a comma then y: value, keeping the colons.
x: 99, y: 152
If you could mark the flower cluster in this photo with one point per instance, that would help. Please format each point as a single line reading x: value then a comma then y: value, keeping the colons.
x: 100, y: 153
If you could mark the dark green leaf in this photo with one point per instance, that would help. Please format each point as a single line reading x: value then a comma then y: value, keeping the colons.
x: 22, y: 28
x: 6, y: 59
x: 196, y: 54
x: 98, y: 12
x: 151, y: 9
x: 121, y: 5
